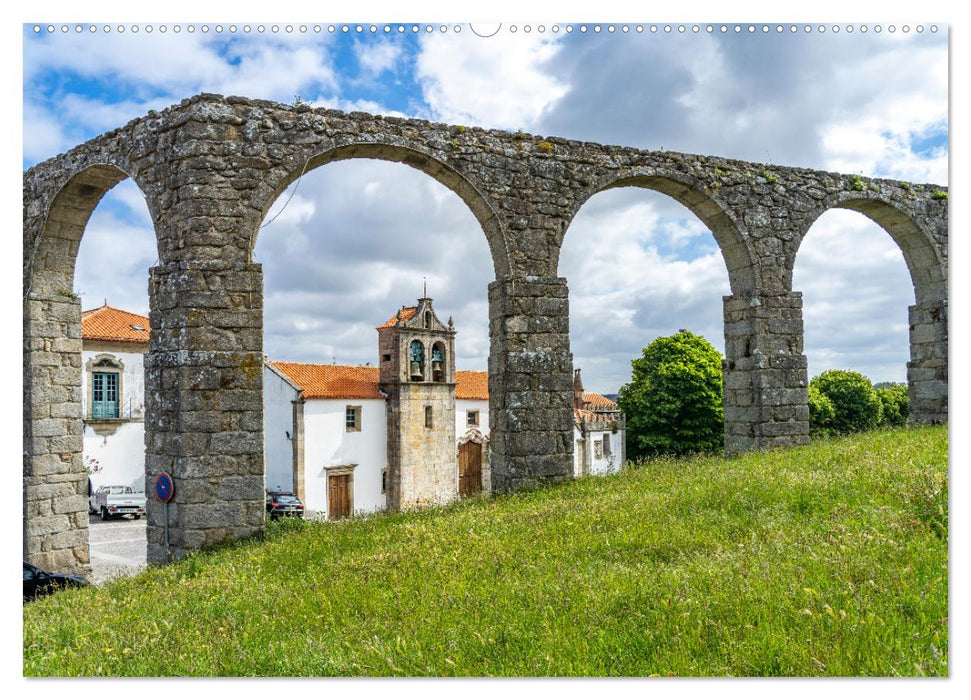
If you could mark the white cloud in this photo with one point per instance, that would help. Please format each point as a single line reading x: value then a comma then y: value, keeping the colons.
x: 357, y: 105
x: 499, y: 82
x: 638, y: 266
x: 375, y: 57
x: 374, y: 231
x: 856, y: 290
x: 154, y: 71
x: 44, y: 135
x: 117, y: 249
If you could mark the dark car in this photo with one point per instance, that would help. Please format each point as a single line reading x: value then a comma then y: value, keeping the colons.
x: 283, y: 504
x: 38, y: 582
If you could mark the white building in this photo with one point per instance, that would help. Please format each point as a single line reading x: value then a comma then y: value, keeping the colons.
x: 348, y: 440
x: 327, y: 421
x: 599, y: 431
x: 114, y: 344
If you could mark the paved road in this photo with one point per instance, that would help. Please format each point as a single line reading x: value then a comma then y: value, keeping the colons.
x: 117, y: 547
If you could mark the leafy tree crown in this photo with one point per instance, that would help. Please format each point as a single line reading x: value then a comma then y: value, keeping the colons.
x: 673, y: 402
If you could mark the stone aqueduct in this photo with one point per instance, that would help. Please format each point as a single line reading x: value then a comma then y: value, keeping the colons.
x: 211, y: 166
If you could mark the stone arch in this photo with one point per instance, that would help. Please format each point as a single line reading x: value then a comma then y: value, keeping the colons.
x: 927, y: 267
x: 52, y: 250
x: 743, y: 274
x: 412, y: 155
x: 927, y: 370
x: 55, y: 502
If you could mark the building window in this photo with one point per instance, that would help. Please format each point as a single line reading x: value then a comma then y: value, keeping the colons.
x: 104, y: 383
x: 384, y: 481
x: 428, y: 319
x: 428, y: 417
x: 606, y: 447
x: 352, y: 419
x: 386, y: 358
x: 472, y: 418
x: 104, y: 395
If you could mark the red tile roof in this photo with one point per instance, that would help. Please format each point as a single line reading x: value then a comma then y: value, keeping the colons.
x: 596, y: 409
x: 357, y: 382
x: 591, y: 399
x: 114, y: 325
x: 472, y: 385
x: 407, y: 313
x: 333, y: 381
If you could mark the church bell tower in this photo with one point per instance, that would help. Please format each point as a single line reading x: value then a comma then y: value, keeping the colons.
x: 417, y: 372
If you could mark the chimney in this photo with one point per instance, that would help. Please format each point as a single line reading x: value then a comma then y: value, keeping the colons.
x: 577, y: 390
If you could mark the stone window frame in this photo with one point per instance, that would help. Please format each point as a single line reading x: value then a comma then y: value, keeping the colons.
x: 606, y: 444
x: 472, y: 418
x: 95, y: 364
x: 598, y: 449
x: 429, y: 417
x: 357, y: 412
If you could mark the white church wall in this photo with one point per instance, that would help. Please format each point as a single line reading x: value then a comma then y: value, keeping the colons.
x: 462, y: 407
x: 278, y: 397
x: 119, y: 456
x: 327, y: 443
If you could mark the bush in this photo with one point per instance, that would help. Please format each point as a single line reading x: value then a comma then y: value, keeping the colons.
x: 673, y: 402
x: 895, y: 404
x: 856, y: 405
x: 822, y: 413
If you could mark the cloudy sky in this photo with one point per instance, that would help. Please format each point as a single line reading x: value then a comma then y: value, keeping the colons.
x: 355, y: 238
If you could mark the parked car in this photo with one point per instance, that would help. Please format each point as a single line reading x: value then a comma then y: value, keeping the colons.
x: 38, y: 582
x: 110, y: 501
x: 280, y: 503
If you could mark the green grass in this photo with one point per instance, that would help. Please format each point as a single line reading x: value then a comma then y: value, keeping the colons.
x: 829, y: 559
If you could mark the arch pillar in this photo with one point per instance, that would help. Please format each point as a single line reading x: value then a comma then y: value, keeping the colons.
x: 55, y: 499
x: 530, y: 382
x: 927, y: 369
x: 204, y: 403
x: 764, y: 372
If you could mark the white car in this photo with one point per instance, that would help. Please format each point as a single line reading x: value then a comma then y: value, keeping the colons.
x: 110, y: 501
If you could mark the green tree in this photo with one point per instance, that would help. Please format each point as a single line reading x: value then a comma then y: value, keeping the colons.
x: 822, y: 413
x: 895, y: 403
x: 855, y: 401
x: 673, y: 402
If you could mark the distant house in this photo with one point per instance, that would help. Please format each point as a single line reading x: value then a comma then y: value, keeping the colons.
x: 599, y: 429
x: 348, y: 440
x: 113, y: 347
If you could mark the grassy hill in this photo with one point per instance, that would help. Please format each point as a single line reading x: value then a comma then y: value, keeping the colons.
x: 825, y: 560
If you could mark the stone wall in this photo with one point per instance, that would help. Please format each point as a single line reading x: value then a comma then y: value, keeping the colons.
x: 204, y: 403
x: 530, y: 382
x: 211, y: 167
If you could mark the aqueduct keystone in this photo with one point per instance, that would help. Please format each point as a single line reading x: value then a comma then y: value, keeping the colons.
x: 211, y: 166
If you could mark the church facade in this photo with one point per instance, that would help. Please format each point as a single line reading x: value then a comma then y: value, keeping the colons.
x: 411, y: 432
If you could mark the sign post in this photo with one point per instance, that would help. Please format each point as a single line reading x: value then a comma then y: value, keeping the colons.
x: 164, y: 490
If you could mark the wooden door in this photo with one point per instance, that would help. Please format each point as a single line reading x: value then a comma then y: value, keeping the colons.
x: 339, y: 496
x: 470, y: 468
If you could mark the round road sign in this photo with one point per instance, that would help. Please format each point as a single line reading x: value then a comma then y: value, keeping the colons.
x: 164, y: 487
